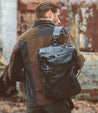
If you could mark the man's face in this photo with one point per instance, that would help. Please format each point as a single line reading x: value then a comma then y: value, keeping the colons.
x: 56, y: 19
x: 54, y: 16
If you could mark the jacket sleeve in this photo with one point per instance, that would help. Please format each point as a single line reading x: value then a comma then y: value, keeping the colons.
x: 69, y: 40
x: 16, y: 66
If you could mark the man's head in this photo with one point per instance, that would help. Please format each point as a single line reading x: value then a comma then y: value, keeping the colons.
x: 48, y: 11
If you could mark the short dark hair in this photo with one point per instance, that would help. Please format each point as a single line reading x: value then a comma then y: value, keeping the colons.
x: 44, y: 7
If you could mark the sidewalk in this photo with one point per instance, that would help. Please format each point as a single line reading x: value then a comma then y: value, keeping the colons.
x: 7, y: 106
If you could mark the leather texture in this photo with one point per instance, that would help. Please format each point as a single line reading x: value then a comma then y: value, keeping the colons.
x: 58, y: 67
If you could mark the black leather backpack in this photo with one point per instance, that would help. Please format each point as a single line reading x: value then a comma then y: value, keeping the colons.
x: 58, y: 67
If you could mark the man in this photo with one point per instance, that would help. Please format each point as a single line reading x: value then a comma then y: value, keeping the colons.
x: 24, y: 64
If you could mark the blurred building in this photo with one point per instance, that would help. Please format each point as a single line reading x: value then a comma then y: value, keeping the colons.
x: 83, y: 24
x: 8, y: 25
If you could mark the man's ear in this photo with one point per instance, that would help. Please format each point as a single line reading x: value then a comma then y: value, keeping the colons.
x: 50, y: 14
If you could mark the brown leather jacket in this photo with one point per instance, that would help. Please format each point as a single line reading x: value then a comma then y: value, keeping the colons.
x: 23, y: 62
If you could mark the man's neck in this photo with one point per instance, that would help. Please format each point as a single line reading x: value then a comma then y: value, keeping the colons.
x: 44, y: 19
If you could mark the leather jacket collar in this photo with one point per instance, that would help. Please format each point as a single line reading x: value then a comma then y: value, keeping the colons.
x: 41, y: 22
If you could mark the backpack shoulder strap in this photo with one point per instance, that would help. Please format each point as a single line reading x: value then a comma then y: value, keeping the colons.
x: 55, y: 37
x: 57, y: 31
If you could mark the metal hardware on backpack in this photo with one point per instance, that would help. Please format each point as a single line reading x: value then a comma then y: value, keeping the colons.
x: 58, y: 68
x: 55, y: 36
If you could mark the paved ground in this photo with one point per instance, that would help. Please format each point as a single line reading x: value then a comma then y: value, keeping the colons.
x: 7, y: 106
x: 85, y: 107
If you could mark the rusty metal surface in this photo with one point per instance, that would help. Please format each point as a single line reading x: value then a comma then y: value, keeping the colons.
x: 64, y: 16
x: 31, y: 4
x: 83, y: 1
x: 89, y: 75
x: 37, y: 1
x: 84, y: 25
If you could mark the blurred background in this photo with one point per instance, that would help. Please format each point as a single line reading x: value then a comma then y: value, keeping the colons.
x: 81, y: 18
